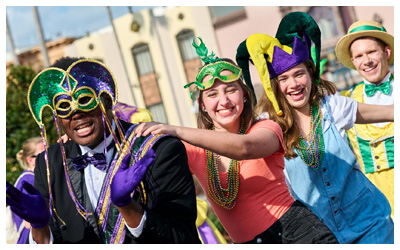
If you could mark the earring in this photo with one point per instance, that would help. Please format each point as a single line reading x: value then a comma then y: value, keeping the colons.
x: 245, y: 100
x: 204, y: 110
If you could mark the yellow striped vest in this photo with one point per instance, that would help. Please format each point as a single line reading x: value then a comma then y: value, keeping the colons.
x: 373, y: 146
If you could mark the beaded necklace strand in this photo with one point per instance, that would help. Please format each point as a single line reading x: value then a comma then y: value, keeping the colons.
x: 224, y: 197
x: 312, y: 150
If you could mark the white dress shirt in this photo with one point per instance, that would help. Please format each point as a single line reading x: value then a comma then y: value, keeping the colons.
x: 94, y: 179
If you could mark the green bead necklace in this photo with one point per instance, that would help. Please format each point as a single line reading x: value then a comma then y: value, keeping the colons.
x: 312, y: 151
x: 224, y: 197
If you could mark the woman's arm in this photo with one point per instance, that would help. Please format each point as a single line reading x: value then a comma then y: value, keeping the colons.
x: 259, y: 143
x: 369, y: 113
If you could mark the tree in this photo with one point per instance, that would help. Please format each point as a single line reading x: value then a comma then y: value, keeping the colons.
x: 20, y: 124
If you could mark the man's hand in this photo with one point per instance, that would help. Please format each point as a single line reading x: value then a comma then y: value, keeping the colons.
x: 30, y: 207
x: 127, y: 178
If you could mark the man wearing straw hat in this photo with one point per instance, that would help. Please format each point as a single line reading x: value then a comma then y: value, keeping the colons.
x: 369, y: 49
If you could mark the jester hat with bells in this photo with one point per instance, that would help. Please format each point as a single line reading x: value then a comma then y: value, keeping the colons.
x: 273, y: 56
x: 65, y: 92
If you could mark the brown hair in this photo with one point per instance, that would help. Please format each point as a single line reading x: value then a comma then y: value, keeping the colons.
x: 290, y: 129
x: 204, y: 121
x: 28, y: 149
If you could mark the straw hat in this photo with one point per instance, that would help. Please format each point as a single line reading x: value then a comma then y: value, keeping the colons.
x: 362, y: 29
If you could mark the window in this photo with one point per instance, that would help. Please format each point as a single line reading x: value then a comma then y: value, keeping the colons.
x: 148, y: 82
x: 221, y: 11
x: 185, y: 40
x: 158, y: 112
x: 226, y: 15
x: 191, y: 61
x: 325, y: 18
x: 144, y: 64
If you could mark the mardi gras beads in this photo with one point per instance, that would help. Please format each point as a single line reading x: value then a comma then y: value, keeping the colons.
x: 312, y: 150
x: 224, y: 197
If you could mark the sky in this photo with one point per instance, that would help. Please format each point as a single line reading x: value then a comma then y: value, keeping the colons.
x: 76, y: 21
x: 58, y: 21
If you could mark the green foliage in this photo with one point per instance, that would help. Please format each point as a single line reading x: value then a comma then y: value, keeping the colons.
x: 20, y: 124
x: 211, y: 215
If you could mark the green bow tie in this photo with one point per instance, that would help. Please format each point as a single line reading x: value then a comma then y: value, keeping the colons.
x: 370, y: 89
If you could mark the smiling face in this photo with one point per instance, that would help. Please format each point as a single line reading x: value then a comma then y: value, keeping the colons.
x: 370, y: 59
x: 295, y: 85
x: 85, y: 128
x: 224, y: 104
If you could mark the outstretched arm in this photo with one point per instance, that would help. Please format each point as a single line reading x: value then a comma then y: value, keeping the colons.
x: 259, y: 143
x: 368, y: 113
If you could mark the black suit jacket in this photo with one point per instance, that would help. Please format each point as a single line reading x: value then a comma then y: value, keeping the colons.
x: 171, y: 199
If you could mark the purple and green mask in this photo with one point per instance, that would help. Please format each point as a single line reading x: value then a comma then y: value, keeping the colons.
x: 77, y: 89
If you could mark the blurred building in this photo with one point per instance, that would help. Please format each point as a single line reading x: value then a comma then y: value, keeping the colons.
x: 33, y: 56
x: 233, y: 24
x: 157, y: 50
x: 159, y: 59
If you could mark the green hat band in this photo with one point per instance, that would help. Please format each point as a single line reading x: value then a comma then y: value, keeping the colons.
x: 367, y: 27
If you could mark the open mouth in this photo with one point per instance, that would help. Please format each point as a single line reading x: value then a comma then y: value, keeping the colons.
x: 369, y: 69
x: 296, y: 93
x: 84, y: 129
x: 225, y: 112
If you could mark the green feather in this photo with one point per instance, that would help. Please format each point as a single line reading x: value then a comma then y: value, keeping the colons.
x: 202, y: 51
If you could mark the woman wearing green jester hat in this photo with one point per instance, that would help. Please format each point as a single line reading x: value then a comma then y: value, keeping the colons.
x: 319, y: 164
x: 239, y: 161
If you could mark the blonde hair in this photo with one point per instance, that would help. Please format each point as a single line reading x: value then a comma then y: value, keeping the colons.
x: 287, y: 122
x: 28, y: 149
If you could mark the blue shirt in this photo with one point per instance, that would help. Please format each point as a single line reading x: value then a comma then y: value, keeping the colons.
x: 339, y: 193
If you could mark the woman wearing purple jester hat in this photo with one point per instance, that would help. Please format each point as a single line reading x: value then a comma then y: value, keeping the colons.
x: 319, y: 164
